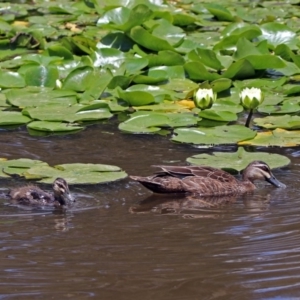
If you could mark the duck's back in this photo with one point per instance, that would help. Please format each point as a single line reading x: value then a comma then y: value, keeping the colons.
x: 31, y: 195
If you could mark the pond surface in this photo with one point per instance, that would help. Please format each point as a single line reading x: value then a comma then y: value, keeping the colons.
x: 121, y: 242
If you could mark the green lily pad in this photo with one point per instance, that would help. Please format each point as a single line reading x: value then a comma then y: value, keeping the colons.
x: 278, y: 137
x: 213, y: 136
x: 168, y: 32
x: 40, y: 75
x: 165, y: 58
x: 12, y: 118
x: 223, y: 116
x: 28, y: 97
x: 239, y: 70
x: 77, y: 112
x: 197, y: 71
x: 150, y: 122
x: 76, y: 173
x: 11, y: 80
x: 219, y: 11
x: 238, y: 160
x: 166, y: 106
x: 276, y: 34
x: 53, y: 126
x: 207, y: 57
x: 286, y: 108
x: 147, y: 40
x: 272, y: 122
x: 123, y: 18
x: 17, y: 166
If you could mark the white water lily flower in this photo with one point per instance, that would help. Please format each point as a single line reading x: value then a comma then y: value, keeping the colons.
x: 204, y: 98
x: 251, y: 98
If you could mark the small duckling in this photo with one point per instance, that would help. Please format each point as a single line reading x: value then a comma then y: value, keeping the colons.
x: 34, y: 196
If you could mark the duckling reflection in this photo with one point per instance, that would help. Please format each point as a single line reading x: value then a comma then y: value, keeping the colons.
x: 192, y: 206
x: 34, y: 196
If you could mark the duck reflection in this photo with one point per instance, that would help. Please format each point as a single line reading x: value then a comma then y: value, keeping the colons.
x: 192, y: 206
x: 195, y: 206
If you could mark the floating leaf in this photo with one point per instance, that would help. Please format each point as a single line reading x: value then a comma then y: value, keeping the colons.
x: 36, y: 97
x: 149, y: 41
x: 272, y: 122
x: 12, y: 118
x: 76, y: 173
x: 17, y: 166
x: 238, y: 160
x: 197, y: 71
x: 11, y: 80
x: 219, y: 11
x: 150, y: 122
x: 40, y: 75
x: 239, y: 70
x: 278, y: 137
x: 213, y: 136
x: 67, y: 113
x: 223, y: 116
x: 53, y: 126
x: 276, y: 34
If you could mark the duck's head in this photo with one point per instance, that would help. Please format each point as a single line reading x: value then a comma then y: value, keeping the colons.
x: 62, y: 192
x: 259, y: 170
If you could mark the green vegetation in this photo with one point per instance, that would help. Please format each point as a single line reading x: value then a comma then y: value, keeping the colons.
x: 68, y: 64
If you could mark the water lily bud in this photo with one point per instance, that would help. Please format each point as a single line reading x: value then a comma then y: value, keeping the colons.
x: 251, y: 98
x: 204, y: 98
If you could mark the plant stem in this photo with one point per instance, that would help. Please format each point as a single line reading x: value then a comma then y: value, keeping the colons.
x: 249, y: 118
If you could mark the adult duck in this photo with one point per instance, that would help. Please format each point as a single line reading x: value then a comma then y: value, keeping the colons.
x: 34, y: 196
x: 206, y: 181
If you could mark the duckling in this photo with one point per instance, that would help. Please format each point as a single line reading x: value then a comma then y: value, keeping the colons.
x: 207, y: 181
x: 33, y: 195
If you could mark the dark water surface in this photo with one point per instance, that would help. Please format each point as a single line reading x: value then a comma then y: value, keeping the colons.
x: 121, y: 242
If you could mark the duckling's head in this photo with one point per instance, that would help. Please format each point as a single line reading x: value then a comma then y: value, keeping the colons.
x: 62, y: 192
x: 259, y: 170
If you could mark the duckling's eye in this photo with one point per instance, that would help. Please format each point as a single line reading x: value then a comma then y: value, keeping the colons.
x: 265, y: 168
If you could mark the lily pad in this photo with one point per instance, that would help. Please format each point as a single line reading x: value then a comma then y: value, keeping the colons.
x: 213, y: 136
x: 238, y: 160
x: 11, y: 80
x: 223, y: 116
x: 271, y: 122
x: 276, y: 34
x: 76, y: 173
x: 150, y: 122
x: 68, y: 114
x: 53, y: 126
x: 36, y: 97
x: 17, y: 166
x: 278, y: 137
x: 12, y: 118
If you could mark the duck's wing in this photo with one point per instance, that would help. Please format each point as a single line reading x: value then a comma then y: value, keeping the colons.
x: 161, y: 184
x: 197, y: 171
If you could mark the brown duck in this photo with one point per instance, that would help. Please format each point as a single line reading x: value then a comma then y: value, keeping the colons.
x: 206, y: 181
x: 33, y: 195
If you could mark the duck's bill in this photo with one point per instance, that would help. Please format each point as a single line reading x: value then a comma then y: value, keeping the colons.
x: 275, y: 182
x: 69, y: 197
x: 66, y: 199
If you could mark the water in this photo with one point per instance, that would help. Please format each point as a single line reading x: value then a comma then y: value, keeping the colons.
x: 121, y: 242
